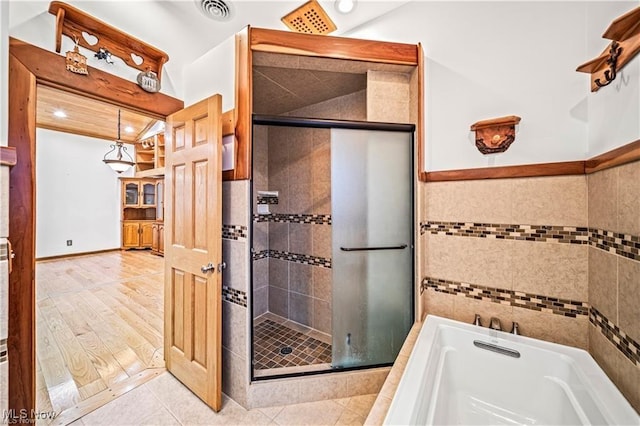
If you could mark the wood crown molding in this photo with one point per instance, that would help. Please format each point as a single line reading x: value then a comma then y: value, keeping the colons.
x: 276, y: 41
x: 50, y: 70
x: 8, y: 156
x: 616, y: 157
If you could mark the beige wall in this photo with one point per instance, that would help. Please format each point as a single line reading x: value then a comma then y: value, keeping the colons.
x: 525, y: 250
x: 614, y: 277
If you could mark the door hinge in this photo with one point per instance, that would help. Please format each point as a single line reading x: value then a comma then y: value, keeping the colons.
x: 10, y: 256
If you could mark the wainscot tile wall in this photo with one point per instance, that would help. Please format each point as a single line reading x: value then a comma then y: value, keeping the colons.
x: 558, y: 255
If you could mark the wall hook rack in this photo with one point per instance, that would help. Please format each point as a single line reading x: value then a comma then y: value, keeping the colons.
x: 625, y: 33
x: 610, y: 74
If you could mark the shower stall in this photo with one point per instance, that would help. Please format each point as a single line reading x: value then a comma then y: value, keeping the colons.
x: 332, y: 244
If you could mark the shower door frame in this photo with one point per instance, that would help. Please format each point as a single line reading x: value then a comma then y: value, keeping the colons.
x: 286, y: 121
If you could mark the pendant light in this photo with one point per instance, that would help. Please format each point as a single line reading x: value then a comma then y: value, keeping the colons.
x: 116, y: 160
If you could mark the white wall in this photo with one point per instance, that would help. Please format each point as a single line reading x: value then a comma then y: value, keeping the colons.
x: 77, y: 195
x: 491, y: 59
x: 4, y: 70
x: 614, y: 111
x: 212, y: 73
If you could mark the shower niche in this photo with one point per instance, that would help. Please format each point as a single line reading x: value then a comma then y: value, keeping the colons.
x: 332, y: 214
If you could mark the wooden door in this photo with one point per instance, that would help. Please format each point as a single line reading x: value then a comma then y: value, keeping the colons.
x: 193, y: 221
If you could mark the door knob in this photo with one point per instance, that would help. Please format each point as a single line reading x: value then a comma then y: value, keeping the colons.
x: 209, y: 267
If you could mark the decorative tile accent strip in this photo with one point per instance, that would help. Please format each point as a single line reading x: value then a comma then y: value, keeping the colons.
x: 622, y: 244
x: 293, y: 257
x: 3, y: 350
x: 267, y: 200
x: 234, y: 232
x: 4, y: 251
x: 318, y: 219
x: 560, y: 234
x: 625, y: 344
x: 234, y: 296
x: 565, y: 307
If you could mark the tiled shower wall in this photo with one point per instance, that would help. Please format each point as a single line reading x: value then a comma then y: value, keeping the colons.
x: 614, y: 276
x: 298, y: 230
x: 4, y: 288
x: 536, y: 251
x: 292, y: 245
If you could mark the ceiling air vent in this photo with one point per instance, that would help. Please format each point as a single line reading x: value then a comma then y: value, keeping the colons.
x: 310, y: 18
x: 215, y: 9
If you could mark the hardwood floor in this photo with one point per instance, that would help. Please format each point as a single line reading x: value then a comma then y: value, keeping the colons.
x: 99, y: 324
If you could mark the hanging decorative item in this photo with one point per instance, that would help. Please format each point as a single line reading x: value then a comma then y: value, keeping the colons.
x: 149, y: 81
x: 105, y: 55
x: 76, y: 61
x: 495, y: 135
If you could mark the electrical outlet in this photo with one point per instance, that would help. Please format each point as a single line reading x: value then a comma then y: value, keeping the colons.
x: 69, y: 242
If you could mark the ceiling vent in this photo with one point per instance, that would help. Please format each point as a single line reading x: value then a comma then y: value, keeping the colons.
x: 310, y: 18
x: 215, y: 9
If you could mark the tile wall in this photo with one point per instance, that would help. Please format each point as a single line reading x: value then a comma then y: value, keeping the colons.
x: 235, y: 282
x: 558, y: 255
x: 292, y: 244
x: 614, y: 275
x: 4, y: 287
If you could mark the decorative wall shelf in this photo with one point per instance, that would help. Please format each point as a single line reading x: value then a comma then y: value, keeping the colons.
x: 495, y: 135
x: 624, y: 32
x: 75, y: 24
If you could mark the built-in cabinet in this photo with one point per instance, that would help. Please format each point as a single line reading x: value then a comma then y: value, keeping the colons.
x: 140, y: 205
x: 150, y: 156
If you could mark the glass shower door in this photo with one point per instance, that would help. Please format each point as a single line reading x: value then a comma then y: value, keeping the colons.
x: 372, y: 244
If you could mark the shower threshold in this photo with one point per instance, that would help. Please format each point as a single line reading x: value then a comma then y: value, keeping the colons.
x: 285, y: 347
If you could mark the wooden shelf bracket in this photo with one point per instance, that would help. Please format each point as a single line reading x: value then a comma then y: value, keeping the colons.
x: 624, y: 32
x: 76, y: 25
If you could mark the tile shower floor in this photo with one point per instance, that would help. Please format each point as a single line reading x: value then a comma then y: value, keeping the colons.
x: 279, y: 343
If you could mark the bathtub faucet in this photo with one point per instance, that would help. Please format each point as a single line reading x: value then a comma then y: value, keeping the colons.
x: 477, y: 321
x: 494, y: 324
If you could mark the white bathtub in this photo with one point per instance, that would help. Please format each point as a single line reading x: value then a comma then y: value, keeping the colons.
x: 450, y: 381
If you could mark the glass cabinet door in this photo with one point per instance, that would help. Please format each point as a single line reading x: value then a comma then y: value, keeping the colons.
x: 160, y: 195
x: 148, y: 194
x: 131, y: 194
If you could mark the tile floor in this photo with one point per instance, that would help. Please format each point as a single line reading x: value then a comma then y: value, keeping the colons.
x: 165, y: 401
x: 270, y: 337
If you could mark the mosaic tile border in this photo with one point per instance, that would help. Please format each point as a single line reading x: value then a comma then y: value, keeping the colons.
x: 4, y: 251
x: 622, y: 244
x: 536, y: 302
x: 293, y: 257
x: 233, y: 295
x: 317, y: 219
x: 234, y: 232
x: 267, y: 200
x: 625, y: 344
x: 3, y: 350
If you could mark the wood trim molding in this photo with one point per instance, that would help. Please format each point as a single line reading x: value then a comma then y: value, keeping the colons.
x: 420, y: 124
x: 530, y: 170
x: 242, y: 111
x: 276, y: 41
x: 8, y: 156
x: 616, y: 157
x: 22, y: 137
x: 50, y: 70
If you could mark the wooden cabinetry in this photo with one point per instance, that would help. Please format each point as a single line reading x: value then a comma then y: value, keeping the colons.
x: 139, y: 210
x: 150, y: 156
x: 157, y: 245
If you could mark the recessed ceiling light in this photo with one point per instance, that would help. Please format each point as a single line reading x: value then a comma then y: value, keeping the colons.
x: 128, y: 129
x: 60, y: 113
x: 345, y: 6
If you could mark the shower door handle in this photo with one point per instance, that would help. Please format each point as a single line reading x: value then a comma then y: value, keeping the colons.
x: 399, y: 247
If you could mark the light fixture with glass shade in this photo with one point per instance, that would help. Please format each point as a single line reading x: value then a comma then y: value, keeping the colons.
x: 114, y: 158
x: 345, y: 6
